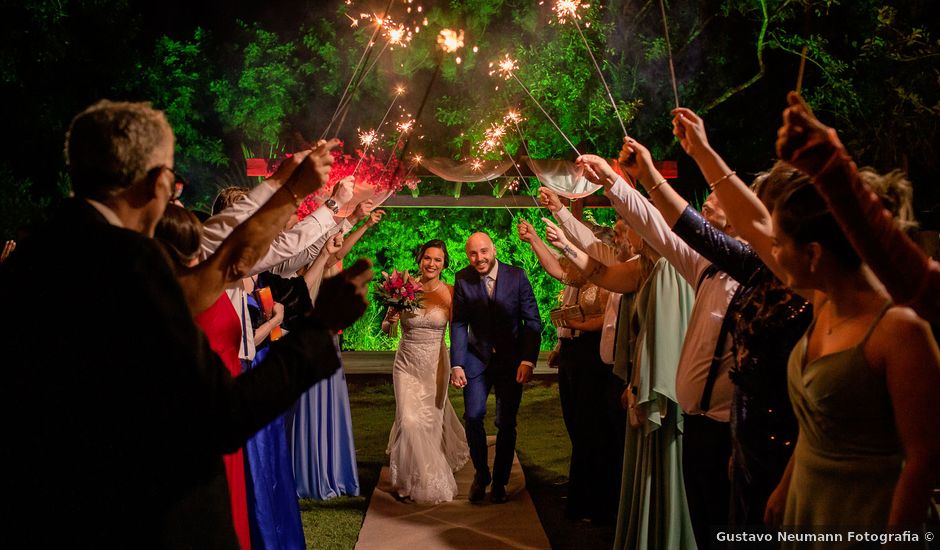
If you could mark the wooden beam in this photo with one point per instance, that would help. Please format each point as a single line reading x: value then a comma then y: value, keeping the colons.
x: 481, y: 201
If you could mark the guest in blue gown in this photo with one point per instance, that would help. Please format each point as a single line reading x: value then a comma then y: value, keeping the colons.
x: 273, y: 511
x: 321, y: 437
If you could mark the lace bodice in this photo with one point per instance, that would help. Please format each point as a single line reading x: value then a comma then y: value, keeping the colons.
x: 429, y: 322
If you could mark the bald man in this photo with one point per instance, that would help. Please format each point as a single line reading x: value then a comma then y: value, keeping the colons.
x: 494, y: 343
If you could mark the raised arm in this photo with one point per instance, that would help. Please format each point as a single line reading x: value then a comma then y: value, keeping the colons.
x: 579, y: 234
x: 746, y: 213
x: 234, y: 258
x: 297, y: 246
x: 908, y: 274
x: 373, y: 217
x: 727, y: 253
x: 313, y: 276
x: 912, y: 373
x: 644, y: 218
x: 545, y: 256
x: 623, y: 277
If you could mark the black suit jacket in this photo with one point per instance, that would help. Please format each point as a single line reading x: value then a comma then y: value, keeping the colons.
x: 115, y: 410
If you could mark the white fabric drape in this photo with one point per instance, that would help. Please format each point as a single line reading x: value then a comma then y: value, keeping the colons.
x: 452, y: 170
x: 562, y: 176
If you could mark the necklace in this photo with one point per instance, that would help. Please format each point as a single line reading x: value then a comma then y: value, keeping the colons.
x: 435, y: 287
x: 831, y: 326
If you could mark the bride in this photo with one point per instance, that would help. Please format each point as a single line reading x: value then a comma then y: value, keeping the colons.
x: 427, y: 443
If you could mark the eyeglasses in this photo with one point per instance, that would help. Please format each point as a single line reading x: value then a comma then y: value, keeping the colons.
x: 179, y: 183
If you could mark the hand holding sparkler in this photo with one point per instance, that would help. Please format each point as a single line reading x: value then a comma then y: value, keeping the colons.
x: 375, y: 217
x: 343, y: 192
x: 527, y: 233
x: 638, y: 162
x: 306, y: 172
x: 803, y: 141
x: 362, y: 210
x: 555, y: 236
x: 549, y: 199
x: 597, y: 170
x: 690, y: 129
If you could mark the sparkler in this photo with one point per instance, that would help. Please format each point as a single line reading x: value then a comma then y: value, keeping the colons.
x: 493, y: 140
x: 403, y: 128
x: 367, y: 139
x: 672, y: 67
x: 506, y: 68
x: 368, y: 49
x: 395, y: 35
x: 450, y: 41
x: 568, y: 9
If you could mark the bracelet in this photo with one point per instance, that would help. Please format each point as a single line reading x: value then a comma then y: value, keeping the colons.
x: 715, y: 183
x: 297, y: 200
x: 655, y: 187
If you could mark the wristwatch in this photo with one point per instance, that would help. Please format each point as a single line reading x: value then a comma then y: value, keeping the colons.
x: 331, y: 204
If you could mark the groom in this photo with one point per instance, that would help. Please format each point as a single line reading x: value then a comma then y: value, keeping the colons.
x: 494, y: 343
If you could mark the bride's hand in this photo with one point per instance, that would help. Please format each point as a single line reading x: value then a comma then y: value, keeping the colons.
x: 457, y: 377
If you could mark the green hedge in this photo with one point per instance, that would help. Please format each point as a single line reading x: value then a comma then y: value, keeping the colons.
x: 394, y: 242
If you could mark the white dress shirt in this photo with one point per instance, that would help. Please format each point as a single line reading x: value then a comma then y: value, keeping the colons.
x: 289, y: 251
x: 711, y: 303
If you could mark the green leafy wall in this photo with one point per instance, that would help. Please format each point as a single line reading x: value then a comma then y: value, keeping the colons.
x: 394, y: 242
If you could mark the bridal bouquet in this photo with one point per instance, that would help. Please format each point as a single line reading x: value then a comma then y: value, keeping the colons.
x: 400, y: 291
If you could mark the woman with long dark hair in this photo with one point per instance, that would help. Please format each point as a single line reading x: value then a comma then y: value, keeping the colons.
x: 427, y: 443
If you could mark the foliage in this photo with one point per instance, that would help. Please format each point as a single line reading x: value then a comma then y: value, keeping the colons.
x: 393, y: 244
x: 176, y: 79
x: 22, y: 206
x: 257, y: 103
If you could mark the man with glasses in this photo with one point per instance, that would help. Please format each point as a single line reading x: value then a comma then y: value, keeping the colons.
x: 114, y: 406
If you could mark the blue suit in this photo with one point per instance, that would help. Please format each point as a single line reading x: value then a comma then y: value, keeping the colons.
x: 489, y: 338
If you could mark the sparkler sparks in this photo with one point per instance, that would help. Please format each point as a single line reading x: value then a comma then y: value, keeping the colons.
x: 476, y: 165
x: 513, y: 117
x: 368, y: 138
x: 406, y: 126
x: 568, y: 9
x: 450, y: 40
x: 397, y: 35
x: 492, y: 138
x: 505, y: 67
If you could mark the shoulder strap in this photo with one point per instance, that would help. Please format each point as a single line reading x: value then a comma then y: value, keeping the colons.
x: 884, y: 309
x: 709, y: 271
x: 716, y: 357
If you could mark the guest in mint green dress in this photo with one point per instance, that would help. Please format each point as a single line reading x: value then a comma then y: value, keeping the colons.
x: 653, y: 509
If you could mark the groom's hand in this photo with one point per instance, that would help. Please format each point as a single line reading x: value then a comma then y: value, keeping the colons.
x: 524, y: 373
x: 457, y: 377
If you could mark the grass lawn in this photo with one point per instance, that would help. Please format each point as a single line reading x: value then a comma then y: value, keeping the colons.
x: 542, y: 445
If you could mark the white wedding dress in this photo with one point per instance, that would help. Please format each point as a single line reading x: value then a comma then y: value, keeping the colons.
x: 427, y: 443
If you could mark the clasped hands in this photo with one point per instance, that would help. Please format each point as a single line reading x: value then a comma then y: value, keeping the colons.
x: 458, y: 378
